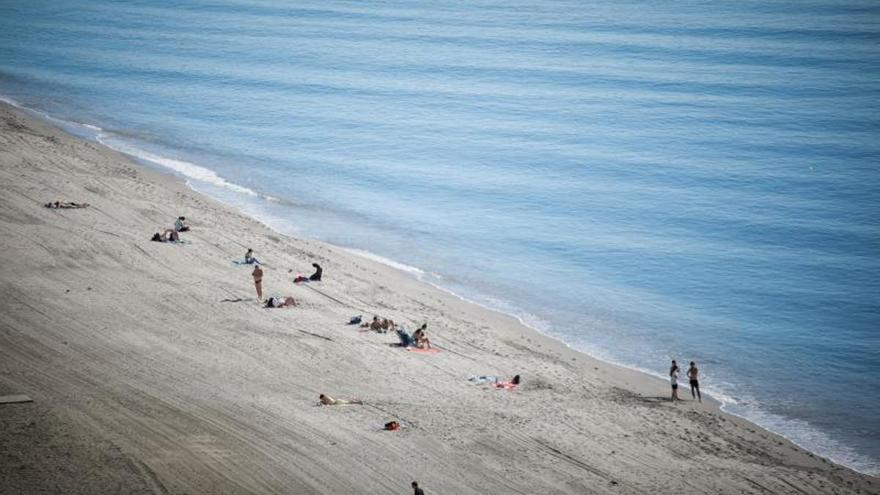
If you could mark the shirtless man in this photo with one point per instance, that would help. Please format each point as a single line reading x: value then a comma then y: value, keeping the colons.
x: 693, y: 375
x: 258, y: 282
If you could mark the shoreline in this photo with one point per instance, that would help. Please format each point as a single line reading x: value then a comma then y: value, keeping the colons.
x: 512, y: 334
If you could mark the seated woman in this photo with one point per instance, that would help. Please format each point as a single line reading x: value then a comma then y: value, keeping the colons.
x: 167, y: 235
x: 280, y: 302
x: 180, y: 224
x: 421, y: 338
x: 249, y: 258
x: 326, y: 400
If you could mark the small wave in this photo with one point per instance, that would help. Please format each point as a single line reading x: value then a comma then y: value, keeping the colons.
x: 385, y: 261
x: 187, y: 169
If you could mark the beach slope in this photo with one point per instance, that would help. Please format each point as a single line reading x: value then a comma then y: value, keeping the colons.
x: 154, y: 370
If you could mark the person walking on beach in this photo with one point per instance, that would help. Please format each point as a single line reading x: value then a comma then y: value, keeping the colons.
x: 673, y: 379
x: 258, y: 282
x: 693, y: 375
x: 416, y: 489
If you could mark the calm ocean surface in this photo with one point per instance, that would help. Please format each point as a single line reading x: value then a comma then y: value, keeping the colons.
x: 645, y: 181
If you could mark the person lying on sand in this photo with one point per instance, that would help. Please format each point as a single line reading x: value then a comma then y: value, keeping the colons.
x: 375, y: 325
x: 180, y: 224
x: 280, y: 302
x: 55, y: 205
x: 167, y: 235
x: 421, y: 339
x: 326, y: 400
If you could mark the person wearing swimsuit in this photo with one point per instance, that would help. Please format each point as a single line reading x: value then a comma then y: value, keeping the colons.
x: 693, y: 375
x: 258, y: 282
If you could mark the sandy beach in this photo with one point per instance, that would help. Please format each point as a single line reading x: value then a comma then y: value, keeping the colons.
x: 153, y: 369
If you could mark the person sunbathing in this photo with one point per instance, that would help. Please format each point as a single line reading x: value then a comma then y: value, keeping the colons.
x: 421, y: 339
x: 316, y: 277
x: 280, y: 302
x: 326, y: 400
x: 55, y: 205
x: 180, y: 224
x: 375, y: 325
x: 167, y: 235
x: 249, y: 258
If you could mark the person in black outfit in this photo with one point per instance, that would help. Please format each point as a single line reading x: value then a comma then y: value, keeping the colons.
x: 316, y: 277
x: 416, y: 489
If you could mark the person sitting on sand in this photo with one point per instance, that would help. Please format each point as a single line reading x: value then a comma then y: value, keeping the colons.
x: 387, y: 325
x: 55, y: 205
x: 693, y: 375
x: 673, y: 380
x: 258, y: 282
x: 280, y: 302
x: 421, y: 338
x: 180, y: 224
x: 405, y: 339
x: 316, y: 277
x: 326, y: 400
x: 249, y: 258
x: 416, y: 489
x: 167, y: 235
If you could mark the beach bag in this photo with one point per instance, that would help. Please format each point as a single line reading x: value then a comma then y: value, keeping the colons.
x: 354, y: 320
x: 156, y: 237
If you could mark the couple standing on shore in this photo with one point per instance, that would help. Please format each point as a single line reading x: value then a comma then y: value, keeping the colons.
x: 693, y: 376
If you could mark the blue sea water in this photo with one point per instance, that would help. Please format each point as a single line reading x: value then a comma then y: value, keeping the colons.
x: 642, y: 180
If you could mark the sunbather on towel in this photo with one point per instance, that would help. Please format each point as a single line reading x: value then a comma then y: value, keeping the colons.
x: 421, y: 338
x: 326, y: 400
x: 280, y: 302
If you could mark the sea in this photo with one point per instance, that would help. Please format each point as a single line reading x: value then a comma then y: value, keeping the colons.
x: 645, y: 181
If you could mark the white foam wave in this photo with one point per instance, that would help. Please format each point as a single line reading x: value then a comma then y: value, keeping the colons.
x: 385, y: 261
x: 187, y: 169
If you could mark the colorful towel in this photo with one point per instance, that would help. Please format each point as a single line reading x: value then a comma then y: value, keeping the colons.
x: 504, y: 386
x: 423, y: 351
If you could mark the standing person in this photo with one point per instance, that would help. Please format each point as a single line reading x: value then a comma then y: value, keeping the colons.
x: 673, y: 379
x: 416, y: 489
x: 316, y: 277
x: 693, y: 375
x: 258, y: 282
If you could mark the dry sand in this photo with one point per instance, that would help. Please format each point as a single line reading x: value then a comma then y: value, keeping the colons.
x: 153, y: 369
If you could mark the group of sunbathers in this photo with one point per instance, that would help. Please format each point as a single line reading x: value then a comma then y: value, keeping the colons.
x: 172, y: 235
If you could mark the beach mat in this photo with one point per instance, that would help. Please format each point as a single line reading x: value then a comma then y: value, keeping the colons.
x: 504, y: 386
x: 423, y: 351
